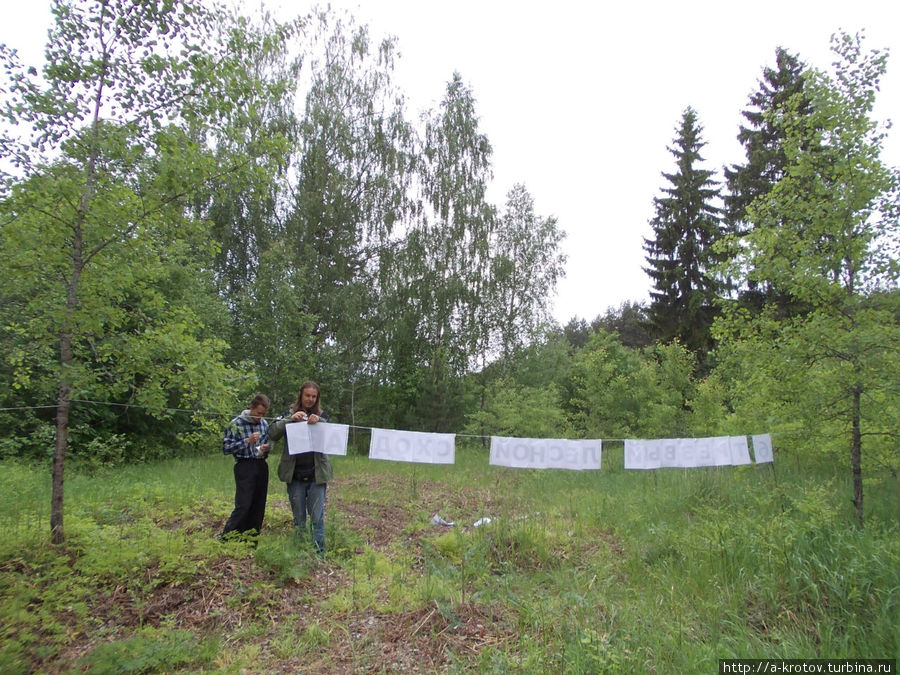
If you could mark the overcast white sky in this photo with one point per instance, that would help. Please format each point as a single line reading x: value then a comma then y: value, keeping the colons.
x: 580, y: 99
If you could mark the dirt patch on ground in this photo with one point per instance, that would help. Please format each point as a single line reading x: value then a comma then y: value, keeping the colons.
x: 381, y: 523
x: 232, y: 594
x: 424, y: 639
x: 613, y: 543
x: 421, y: 640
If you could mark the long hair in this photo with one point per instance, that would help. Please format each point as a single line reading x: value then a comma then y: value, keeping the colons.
x: 298, y: 404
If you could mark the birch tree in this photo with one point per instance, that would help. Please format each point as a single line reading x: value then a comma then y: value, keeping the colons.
x: 97, y: 207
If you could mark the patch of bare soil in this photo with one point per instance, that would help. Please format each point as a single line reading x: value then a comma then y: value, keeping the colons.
x: 421, y: 640
x: 613, y: 543
x: 381, y: 523
x: 200, y: 605
x: 225, y: 598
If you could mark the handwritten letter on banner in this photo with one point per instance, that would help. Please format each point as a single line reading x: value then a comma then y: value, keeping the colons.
x: 324, y: 437
x: 686, y: 453
x: 762, y: 448
x: 412, y: 446
x: 545, y: 453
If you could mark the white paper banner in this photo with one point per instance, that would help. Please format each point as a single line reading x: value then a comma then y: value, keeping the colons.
x: 297, y: 438
x: 325, y: 437
x: 686, y: 453
x: 545, y: 453
x: 762, y: 448
x: 412, y: 446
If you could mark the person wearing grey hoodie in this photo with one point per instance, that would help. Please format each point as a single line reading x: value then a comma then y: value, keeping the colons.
x: 246, y: 439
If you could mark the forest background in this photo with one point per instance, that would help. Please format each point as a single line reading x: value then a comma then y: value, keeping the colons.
x: 205, y: 205
x: 198, y: 205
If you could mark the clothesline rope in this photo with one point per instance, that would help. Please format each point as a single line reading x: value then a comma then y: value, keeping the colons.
x: 229, y: 416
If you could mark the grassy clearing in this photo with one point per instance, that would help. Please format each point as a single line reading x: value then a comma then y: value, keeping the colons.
x: 579, y: 572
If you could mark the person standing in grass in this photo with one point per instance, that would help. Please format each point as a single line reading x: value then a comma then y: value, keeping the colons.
x: 306, y: 474
x: 246, y: 439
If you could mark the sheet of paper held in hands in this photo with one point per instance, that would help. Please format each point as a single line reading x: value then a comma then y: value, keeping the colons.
x: 327, y: 438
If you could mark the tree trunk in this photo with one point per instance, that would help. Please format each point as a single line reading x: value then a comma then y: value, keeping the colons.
x: 63, y: 402
x: 57, y: 533
x: 856, y: 459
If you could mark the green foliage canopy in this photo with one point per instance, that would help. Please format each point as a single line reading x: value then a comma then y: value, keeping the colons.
x: 827, y: 233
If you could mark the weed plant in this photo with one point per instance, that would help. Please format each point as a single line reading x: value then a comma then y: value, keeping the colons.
x: 581, y: 572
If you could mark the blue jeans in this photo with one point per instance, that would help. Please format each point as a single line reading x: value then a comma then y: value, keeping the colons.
x: 308, y: 497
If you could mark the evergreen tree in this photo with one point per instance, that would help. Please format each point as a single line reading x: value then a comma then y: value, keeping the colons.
x: 763, y: 140
x: 354, y: 167
x: 827, y: 233
x: 680, y: 255
x: 628, y: 322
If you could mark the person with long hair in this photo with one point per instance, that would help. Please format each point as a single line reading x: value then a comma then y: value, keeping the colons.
x: 306, y: 474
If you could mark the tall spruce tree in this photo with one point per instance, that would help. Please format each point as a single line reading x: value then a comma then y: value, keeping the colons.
x: 680, y: 254
x: 763, y: 139
x: 827, y: 233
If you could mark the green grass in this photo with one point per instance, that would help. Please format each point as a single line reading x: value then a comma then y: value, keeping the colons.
x: 608, y: 571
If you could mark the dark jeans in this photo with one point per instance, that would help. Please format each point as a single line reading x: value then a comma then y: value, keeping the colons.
x: 251, y: 487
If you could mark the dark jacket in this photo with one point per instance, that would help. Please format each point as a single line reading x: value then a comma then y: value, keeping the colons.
x: 324, y: 472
